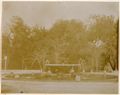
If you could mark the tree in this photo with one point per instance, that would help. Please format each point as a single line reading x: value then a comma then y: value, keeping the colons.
x: 67, y: 41
x: 104, y: 28
x: 68, y: 38
x: 20, y: 46
x: 112, y: 48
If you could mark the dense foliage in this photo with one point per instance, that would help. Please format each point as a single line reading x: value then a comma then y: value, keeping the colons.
x: 94, y: 46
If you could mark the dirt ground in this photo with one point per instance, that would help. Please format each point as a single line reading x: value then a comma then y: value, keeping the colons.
x: 15, y: 86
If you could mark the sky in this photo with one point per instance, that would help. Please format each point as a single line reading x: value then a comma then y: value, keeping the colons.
x: 45, y: 14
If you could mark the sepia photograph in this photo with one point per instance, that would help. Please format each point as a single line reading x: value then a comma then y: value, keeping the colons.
x: 60, y: 47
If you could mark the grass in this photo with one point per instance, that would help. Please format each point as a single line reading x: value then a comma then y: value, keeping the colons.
x: 61, y: 77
